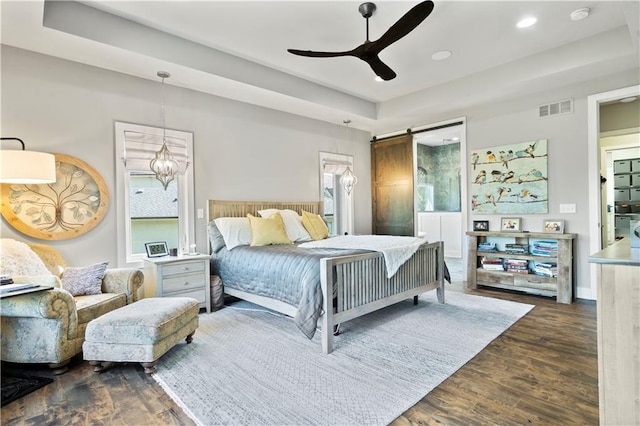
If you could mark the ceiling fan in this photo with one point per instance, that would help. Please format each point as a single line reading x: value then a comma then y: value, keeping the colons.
x: 369, y: 50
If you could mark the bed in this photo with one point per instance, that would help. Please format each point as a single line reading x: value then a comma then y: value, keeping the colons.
x: 356, y: 279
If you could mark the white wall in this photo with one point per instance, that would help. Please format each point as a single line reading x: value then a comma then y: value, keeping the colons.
x: 242, y: 152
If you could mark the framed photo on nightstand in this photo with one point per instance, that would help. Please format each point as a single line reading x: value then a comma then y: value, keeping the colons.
x: 157, y: 249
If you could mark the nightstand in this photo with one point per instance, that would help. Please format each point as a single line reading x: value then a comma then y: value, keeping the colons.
x: 178, y: 276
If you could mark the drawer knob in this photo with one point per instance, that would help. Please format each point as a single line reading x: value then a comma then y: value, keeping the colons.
x: 186, y: 283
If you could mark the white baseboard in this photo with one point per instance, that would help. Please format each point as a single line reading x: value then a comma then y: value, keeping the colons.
x: 586, y: 293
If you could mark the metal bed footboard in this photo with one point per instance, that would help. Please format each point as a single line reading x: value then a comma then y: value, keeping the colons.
x: 361, y: 284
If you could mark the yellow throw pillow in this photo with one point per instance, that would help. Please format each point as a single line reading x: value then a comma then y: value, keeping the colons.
x: 268, y: 231
x: 314, y: 225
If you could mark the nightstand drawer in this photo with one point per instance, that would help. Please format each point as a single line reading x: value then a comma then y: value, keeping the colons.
x: 183, y: 282
x: 182, y: 268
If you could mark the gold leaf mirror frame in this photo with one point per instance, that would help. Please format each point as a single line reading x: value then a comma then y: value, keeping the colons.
x: 72, y: 206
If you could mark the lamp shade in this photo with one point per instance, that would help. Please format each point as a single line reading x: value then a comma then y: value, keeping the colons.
x: 27, y: 167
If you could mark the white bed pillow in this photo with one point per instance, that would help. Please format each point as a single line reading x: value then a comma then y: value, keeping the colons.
x: 292, y: 224
x: 236, y: 231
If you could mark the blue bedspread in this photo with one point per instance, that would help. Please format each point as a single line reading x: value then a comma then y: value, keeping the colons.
x: 282, y: 272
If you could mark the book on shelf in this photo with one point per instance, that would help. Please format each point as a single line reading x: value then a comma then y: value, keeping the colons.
x: 516, y: 248
x: 517, y: 262
x: 487, y: 246
x: 491, y: 267
x: 544, y: 248
x: 492, y: 263
x: 545, y: 269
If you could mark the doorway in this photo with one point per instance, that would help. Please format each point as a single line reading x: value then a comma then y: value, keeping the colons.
x: 440, y: 162
x: 594, y: 103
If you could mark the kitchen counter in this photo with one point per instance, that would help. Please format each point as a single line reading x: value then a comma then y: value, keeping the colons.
x: 620, y: 253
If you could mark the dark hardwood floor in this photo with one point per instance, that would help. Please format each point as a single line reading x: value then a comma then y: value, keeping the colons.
x: 542, y: 371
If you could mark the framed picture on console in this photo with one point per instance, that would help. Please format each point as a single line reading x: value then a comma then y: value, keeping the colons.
x: 511, y: 224
x: 156, y: 249
x: 553, y: 225
x: 480, y: 225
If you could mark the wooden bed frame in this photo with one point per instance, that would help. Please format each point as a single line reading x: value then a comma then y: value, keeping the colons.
x: 361, y: 280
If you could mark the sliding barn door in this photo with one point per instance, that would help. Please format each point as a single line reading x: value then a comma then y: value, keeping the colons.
x: 392, y: 186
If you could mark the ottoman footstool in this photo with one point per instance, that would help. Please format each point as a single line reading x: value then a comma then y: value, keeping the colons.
x: 140, y: 332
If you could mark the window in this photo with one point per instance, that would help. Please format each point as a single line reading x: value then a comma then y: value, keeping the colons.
x: 146, y: 212
x: 337, y: 204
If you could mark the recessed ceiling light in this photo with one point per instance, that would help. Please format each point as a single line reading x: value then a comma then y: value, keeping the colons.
x: 579, y: 14
x: 629, y: 99
x: 526, y: 22
x: 378, y: 78
x: 439, y: 56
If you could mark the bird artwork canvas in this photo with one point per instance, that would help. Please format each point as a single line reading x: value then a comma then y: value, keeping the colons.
x: 510, y: 178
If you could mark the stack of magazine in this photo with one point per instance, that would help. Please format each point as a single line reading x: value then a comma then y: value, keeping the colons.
x: 487, y: 246
x: 492, y: 263
x: 545, y: 269
x: 545, y: 248
x: 517, y: 266
x: 516, y: 248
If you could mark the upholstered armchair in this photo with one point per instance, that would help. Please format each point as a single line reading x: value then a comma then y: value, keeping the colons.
x: 49, y: 326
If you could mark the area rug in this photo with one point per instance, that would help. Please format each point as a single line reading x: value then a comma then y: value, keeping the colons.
x: 250, y: 366
x: 15, y: 386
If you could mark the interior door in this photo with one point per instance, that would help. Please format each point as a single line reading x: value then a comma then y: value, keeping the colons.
x: 392, y: 186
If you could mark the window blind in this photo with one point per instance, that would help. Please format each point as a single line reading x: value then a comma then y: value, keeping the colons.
x: 335, y: 167
x: 140, y: 148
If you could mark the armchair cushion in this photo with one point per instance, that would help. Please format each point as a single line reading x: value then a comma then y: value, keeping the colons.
x: 84, y: 280
x: 92, y: 306
x: 18, y: 259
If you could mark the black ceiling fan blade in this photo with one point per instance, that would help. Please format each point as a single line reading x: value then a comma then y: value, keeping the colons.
x: 403, y: 26
x: 381, y: 69
x: 313, y: 54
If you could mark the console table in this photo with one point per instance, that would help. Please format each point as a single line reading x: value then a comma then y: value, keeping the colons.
x: 560, y: 286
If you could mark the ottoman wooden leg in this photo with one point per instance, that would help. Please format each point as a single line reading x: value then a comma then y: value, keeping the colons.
x: 189, y: 338
x: 97, y: 366
x: 60, y: 368
x: 149, y: 367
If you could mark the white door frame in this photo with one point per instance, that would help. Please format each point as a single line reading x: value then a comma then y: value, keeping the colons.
x: 595, y: 231
x: 463, y: 177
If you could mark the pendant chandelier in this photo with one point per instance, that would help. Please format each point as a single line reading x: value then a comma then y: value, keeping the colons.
x: 348, y: 180
x: 164, y: 166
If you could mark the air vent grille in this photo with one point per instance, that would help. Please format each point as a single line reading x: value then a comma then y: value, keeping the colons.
x: 555, y: 108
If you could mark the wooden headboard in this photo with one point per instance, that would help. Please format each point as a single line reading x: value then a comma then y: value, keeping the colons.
x: 217, y: 208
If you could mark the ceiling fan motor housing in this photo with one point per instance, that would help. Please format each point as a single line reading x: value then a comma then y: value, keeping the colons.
x: 367, y: 9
